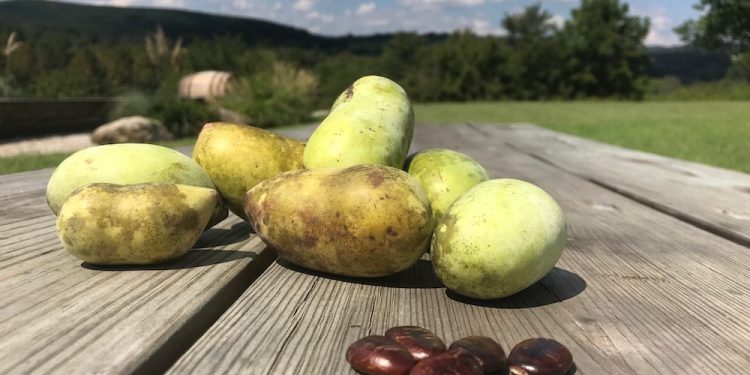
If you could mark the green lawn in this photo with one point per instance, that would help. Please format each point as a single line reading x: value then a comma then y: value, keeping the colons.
x: 710, y: 132
x: 24, y: 163
x: 715, y: 133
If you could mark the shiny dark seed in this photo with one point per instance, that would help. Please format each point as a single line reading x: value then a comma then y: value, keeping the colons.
x: 421, y: 343
x: 452, y: 362
x: 539, y: 357
x: 379, y: 355
x: 487, y: 351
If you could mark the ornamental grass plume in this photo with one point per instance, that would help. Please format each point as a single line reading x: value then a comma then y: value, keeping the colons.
x: 10, y: 46
x: 157, y: 49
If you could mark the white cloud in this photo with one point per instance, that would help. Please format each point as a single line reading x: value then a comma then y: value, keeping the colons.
x: 304, y: 5
x: 432, y: 3
x: 660, y: 33
x: 557, y: 20
x: 377, y: 22
x: 169, y: 3
x: 115, y: 3
x: 480, y: 27
x: 365, y: 8
x: 322, y: 17
x: 242, y: 4
x: 484, y: 27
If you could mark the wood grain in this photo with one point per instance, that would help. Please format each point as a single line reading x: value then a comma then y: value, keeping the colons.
x: 715, y: 199
x: 16, y: 183
x: 636, y: 291
x: 58, y: 315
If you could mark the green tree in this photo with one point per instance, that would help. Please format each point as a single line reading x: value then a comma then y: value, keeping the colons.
x: 400, y: 58
x: 724, y: 25
x: 216, y: 53
x: 533, y: 24
x: 604, y: 52
x: 337, y: 72
x: 535, y: 61
x: 463, y: 67
x: 455, y: 66
x: 115, y: 62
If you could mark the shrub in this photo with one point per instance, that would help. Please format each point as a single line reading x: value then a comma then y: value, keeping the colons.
x: 5, y: 87
x: 716, y: 90
x: 282, y: 96
x: 183, y: 117
x: 133, y: 103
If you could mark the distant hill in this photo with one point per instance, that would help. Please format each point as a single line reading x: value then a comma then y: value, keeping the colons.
x: 104, y: 23
x: 688, y: 64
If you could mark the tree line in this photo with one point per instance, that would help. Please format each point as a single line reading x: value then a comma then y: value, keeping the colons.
x: 597, y: 53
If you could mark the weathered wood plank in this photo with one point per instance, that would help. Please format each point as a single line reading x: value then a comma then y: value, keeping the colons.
x: 16, y: 183
x: 712, y: 198
x: 61, y: 316
x: 58, y: 315
x: 636, y: 291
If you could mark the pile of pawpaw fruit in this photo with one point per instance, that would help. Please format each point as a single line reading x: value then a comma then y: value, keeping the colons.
x: 347, y: 202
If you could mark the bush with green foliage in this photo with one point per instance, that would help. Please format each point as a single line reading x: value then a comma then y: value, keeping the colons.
x: 670, y: 88
x: 283, y: 96
x: 335, y: 73
x: 183, y: 117
x: 6, y: 89
x: 132, y: 103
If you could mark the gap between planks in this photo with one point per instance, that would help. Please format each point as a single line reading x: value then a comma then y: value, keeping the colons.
x: 57, y: 316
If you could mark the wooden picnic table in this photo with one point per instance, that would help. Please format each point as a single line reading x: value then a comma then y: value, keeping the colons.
x: 655, y: 279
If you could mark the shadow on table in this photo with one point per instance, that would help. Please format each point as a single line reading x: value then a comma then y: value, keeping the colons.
x: 419, y: 275
x: 573, y: 370
x: 239, y: 232
x: 557, y: 286
x: 193, y: 258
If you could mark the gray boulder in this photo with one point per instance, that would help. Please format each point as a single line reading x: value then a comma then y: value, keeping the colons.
x: 132, y: 129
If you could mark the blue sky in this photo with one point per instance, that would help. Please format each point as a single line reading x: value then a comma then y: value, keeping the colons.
x: 338, y: 17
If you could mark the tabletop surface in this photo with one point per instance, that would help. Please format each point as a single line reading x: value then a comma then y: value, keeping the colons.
x: 654, y: 279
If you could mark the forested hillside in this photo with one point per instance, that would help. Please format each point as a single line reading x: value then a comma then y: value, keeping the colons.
x: 63, y: 50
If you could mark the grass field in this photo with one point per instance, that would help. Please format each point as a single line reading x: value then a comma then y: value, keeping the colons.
x: 711, y: 132
x: 24, y: 163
